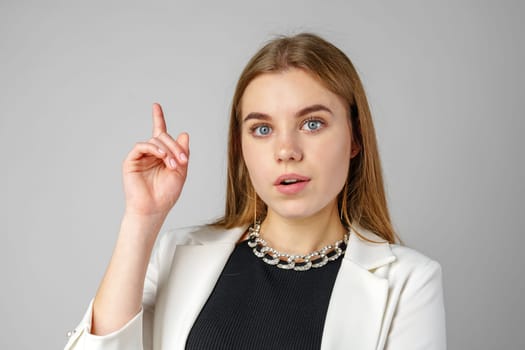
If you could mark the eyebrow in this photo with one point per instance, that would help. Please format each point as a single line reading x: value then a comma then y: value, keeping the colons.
x: 302, y: 112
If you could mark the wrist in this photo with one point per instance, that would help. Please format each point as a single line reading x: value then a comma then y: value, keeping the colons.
x: 141, y: 228
x: 149, y: 218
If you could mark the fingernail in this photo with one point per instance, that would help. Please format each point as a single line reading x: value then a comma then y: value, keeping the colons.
x: 183, y: 157
x: 173, y: 163
x: 161, y: 151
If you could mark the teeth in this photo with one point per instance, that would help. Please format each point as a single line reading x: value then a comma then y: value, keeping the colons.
x: 290, y: 181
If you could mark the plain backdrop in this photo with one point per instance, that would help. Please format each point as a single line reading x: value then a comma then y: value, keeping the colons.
x: 77, y: 80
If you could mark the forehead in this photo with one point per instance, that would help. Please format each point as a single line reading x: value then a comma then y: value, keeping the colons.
x: 287, y: 92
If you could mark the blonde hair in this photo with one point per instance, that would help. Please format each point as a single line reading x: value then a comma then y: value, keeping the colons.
x: 362, y: 200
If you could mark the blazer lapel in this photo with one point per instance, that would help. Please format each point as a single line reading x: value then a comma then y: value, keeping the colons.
x: 194, y: 273
x: 359, y: 297
x: 354, y: 315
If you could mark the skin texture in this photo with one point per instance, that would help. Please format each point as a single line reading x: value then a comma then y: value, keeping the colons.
x: 279, y: 136
x: 153, y: 174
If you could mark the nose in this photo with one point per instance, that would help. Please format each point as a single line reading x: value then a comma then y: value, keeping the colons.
x: 288, y: 149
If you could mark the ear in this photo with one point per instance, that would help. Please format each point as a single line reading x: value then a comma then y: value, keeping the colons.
x: 356, y: 148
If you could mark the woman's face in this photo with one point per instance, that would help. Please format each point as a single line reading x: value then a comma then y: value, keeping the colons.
x: 296, y: 142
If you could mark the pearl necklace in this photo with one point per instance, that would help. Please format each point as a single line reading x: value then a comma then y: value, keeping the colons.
x: 315, y: 259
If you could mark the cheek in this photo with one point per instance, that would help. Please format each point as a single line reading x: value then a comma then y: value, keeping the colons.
x: 335, y: 157
x: 247, y: 154
x: 253, y: 160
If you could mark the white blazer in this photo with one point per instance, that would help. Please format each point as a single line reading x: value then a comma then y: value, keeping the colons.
x: 385, y: 296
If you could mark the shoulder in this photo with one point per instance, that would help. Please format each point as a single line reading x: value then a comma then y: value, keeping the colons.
x: 397, y: 263
x: 410, y: 256
x: 409, y: 260
x: 168, y: 241
x: 372, y: 252
x: 415, y: 275
x: 198, y: 235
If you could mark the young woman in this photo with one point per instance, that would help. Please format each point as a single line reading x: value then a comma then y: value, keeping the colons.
x: 305, y: 256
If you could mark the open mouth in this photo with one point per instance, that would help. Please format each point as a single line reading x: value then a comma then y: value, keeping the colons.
x: 290, y: 181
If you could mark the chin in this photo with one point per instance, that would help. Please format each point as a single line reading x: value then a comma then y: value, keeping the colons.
x: 294, y: 212
x: 300, y: 209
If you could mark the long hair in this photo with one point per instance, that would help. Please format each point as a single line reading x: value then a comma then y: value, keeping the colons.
x: 362, y: 200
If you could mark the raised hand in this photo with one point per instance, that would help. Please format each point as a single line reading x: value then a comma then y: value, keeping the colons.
x: 154, y: 172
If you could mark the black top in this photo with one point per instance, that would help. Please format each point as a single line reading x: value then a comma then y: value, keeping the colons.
x: 259, y: 306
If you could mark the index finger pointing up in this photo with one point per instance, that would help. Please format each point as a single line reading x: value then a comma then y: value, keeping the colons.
x: 159, y: 124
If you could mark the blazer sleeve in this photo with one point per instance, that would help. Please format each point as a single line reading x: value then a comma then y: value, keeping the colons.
x: 134, y: 335
x: 419, y: 320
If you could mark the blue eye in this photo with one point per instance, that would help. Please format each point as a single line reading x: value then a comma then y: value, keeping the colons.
x: 313, y: 125
x: 261, y: 130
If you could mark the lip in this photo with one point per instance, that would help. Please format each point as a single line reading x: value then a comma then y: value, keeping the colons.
x: 292, y: 188
x: 290, y: 176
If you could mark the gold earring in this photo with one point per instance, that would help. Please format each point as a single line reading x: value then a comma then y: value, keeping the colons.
x: 255, y: 210
x: 344, y: 205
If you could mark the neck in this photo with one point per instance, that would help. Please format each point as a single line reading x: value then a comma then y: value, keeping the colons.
x: 302, y: 235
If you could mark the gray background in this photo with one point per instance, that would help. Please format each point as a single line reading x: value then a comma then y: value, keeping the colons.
x: 77, y: 80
